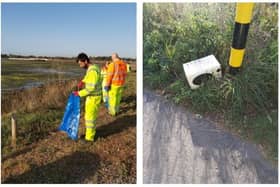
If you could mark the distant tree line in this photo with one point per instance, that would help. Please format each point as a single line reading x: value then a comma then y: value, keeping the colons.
x: 108, y: 58
x: 31, y: 56
x: 101, y: 58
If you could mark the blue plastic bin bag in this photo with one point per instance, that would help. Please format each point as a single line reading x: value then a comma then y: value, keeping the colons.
x: 71, y: 118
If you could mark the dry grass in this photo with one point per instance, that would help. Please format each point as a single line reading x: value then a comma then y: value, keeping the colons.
x: 52, y: 95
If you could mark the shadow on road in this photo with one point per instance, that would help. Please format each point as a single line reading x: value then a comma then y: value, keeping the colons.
x: 74, y: 168
x: 182, y: 148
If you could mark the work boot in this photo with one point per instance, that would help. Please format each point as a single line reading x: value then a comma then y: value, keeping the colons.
x: 85, y: 142
x: 112, y: 112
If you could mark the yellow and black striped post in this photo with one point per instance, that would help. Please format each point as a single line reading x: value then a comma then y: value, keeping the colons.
x: 242, y: 21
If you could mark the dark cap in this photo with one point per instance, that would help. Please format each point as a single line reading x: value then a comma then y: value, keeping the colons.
x: 82, y: 57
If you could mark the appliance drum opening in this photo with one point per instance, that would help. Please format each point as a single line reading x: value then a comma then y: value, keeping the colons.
x: 202, y: 78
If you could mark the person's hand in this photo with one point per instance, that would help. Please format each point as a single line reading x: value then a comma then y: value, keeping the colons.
x: 107, y: 88
x: 76, y: 93
x: 80, y: 84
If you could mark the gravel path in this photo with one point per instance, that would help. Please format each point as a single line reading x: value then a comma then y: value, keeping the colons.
x: 181, y: 148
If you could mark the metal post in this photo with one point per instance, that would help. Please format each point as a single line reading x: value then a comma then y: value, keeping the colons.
x: 14, y: 131
x: 241, y: 28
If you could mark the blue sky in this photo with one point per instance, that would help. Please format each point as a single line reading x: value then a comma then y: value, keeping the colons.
x: 65, y: 29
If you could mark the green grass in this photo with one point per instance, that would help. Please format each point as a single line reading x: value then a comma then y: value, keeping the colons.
x: 31, y: 127
x: 263, y: 131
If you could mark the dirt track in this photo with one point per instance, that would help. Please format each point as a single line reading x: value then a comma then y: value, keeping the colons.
x: 181, y: 148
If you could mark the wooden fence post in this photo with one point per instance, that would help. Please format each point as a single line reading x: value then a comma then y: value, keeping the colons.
x: 14, y: 131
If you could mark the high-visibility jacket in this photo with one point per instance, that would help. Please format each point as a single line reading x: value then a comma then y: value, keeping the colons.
x: 128, y: 68
x: 92, y: 82
x: 116, y: 73
x: 104, y: 75
x: 104, y: 92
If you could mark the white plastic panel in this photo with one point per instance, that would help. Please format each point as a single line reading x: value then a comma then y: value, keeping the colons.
x: 205, y: 65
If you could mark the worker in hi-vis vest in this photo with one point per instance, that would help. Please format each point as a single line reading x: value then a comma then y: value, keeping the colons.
x: 104, y: 70
x: 128, y: 68
x: 92, y: 90
x: 116, y: 75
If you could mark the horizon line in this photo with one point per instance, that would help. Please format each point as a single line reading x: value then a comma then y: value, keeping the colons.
x: 4, y: 54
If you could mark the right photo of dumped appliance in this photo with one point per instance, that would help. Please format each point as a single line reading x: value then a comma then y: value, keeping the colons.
x: 210, y: 93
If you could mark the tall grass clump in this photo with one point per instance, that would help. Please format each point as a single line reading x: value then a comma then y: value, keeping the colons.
x: 51, y: 95
x: 178, y: 33
x: 38, y: 112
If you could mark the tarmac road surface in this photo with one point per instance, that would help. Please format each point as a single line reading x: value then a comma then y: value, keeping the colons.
x: 182, y: 148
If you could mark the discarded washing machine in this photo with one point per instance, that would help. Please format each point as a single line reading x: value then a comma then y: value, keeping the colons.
x: 197, y: 71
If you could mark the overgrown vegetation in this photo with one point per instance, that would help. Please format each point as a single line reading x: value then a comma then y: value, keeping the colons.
x: 178, y: 33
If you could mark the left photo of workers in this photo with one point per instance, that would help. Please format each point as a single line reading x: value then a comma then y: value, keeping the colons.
x: 68, y: 93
